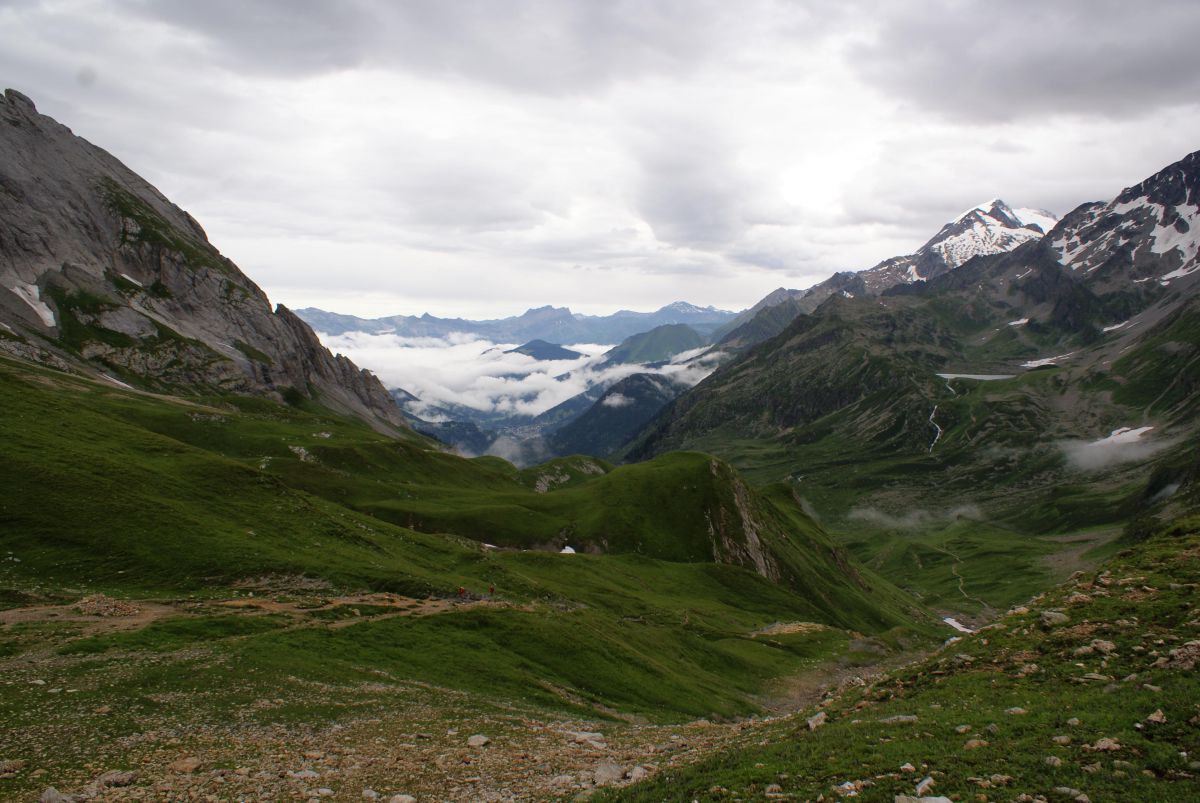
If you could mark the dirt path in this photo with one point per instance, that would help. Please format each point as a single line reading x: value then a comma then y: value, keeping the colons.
x: 961, y: 580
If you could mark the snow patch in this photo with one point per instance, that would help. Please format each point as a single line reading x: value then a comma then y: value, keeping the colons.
x: 980, y: 377
x: 566, y: 551
x: 129, y: 278
x: 1019, y: 322
x: 957, y: 625
x: 1036, y: 217
x: 1046, y: 361
x: 115, y: 381
x: 31, y: 295
x: 1124, y: 435
x: 1115, y: 326
x: 1168, y: 238
x: 1179, y: 274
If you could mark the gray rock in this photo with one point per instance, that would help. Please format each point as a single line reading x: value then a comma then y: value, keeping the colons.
x: 118, y: 778
x: 817, y: 720
x: 638, y: 773
x: 402, y: 799
x: 608, y: 773
x: 1054, y: 618
x: 478, y: 740
x: 911, y: 799
x: 52, y: 795
x: 73, y: 219
x: 899, y: 719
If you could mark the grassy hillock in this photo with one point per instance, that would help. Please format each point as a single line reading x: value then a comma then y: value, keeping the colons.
x: 158, y: 498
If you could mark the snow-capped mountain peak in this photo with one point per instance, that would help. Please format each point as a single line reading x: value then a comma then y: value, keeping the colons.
x: 684, y: 308
x: 992, y: 227
x: 1147, y: 235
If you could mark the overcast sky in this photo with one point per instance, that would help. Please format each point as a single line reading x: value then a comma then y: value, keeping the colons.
x: 478, y: 157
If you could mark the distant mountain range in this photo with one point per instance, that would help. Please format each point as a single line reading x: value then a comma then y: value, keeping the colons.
x: 552, y: 324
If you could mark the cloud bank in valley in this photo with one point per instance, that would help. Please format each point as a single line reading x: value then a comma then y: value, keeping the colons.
x: 1124, y: 445
x: 466, y: 370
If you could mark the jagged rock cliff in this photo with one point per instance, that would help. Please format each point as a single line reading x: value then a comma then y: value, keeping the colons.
x: 99, y: 272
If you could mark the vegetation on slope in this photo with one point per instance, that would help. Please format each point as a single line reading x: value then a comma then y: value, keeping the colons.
x: 156, y: 498
x: 1089, y: 690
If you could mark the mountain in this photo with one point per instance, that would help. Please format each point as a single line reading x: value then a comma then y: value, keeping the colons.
x: 992, y: 227
x: 553, y: 324
x: 996, y: 383
x: 774, y: 298
x: 660, y: 343
x: 616, y: 416
x: 102, y: 274
x: 541, y: 350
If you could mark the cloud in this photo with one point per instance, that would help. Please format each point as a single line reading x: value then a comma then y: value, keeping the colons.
x: 1124, y: 445
x: 478, y: 158
x: 543, y: 46
x: 616, y: 400
x: 470, y: 372
x: 1102, y: 58
x: 914, y: 519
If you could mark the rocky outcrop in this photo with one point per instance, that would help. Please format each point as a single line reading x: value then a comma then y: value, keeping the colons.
x: 99, y: 271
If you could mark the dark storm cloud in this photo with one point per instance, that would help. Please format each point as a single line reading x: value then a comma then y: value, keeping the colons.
x: 1001, y: 61
x: 550, y: 46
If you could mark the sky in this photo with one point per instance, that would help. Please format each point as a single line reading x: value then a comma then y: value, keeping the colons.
x: 475, y: 158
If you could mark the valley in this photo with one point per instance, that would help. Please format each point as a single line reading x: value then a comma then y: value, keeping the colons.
x: 926, y: 527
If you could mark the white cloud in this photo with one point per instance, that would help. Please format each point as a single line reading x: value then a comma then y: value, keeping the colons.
x: 1124, y: 445
x: 475, y: 373
x: 476, y: 159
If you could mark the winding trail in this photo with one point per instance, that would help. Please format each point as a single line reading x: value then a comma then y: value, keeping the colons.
x: 961, y: 580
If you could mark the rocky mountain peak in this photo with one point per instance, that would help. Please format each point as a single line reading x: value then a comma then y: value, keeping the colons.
x: 1144, y: 240
x: 100, y: 273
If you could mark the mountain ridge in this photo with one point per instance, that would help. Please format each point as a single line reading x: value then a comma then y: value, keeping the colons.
x: 102, y: 273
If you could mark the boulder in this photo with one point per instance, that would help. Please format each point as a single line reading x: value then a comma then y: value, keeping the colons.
x: 608, y: 773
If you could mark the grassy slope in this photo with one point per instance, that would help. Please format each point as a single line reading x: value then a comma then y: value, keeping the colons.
x: 152, y: 497
x: 1143, y: 602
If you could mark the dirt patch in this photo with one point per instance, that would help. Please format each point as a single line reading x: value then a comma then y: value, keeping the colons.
x: 143, y: 614
x: 1072, y: 558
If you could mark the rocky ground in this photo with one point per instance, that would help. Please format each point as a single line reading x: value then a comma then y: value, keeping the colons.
x: 386, y: 740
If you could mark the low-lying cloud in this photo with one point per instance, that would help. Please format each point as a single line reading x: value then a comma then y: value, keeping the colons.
x: 914, y: 519
x: 468, y: 371
x: 1124, y: 445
